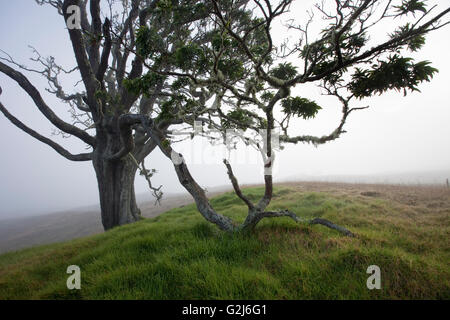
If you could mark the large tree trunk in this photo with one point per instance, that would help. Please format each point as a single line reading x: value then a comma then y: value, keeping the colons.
x: 115, y: 184
x: 117, y: 195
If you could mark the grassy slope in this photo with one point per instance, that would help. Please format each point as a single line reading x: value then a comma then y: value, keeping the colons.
x: 180, y: 256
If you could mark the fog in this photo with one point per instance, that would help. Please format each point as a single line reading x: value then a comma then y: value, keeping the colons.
x: 398, y: 139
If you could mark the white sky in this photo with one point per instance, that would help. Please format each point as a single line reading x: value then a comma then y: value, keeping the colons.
x: 397, y: 134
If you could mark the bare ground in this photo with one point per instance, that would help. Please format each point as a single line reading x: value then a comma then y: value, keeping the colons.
x: 22, y: 233
x: 418, y: 196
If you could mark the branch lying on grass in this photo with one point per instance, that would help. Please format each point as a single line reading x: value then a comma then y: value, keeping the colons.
x: 331, y: 225
x: 324, y: 222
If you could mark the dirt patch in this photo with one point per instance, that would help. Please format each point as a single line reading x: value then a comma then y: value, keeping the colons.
x: 371, y: 194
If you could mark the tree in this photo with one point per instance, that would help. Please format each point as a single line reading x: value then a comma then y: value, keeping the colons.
x: 257, y: 93
x: 106, y: 112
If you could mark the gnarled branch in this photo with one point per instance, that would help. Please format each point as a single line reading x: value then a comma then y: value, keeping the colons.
x: 42, y: 106
x: 293, y: 216
x: 236, y: 187
x: 66, y: 154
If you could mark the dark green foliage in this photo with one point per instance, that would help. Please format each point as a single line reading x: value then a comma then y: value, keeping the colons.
x: 254, y: 84
x: 415, y: 43
x: 191, y: 56
x: 300, y: 107
x: 180, y: 83
x: 267, y: 96
x: 357, y: 41
x: 144, y: 84
x: 166, y: 110
x: 312, y: 50
x: 411, y: 6
x: 147, y: 42
x: 175, y: 106
x: 231, y: 68
x: 284, y: 71
x: 351, y: 45
x: 180, y: 12
x: 169, y: 108
x: 324, y: 67
x: 241, y: 116
x: 165, y: 5
x: 397, y: 73
x: 220, y: 41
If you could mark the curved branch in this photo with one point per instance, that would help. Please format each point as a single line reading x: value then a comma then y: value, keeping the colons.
x: 66, y: 154
x: 236, y: 187
x: 185, y: 178
x: 156, y: 192
x: 287, y: 213
x: 145, y: 150
x: 331, y: 225
x: 125, y: 122
x: 42, y: 106
x: 333, y: 135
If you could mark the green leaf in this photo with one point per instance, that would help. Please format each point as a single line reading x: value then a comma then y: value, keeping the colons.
x: 284, y: 71
x: 238, y: 119
x: 147, y: 42
x: 398, y: 73
x: 411, y: 6
x: 190, y: 56
x: 300, y: 107
x: 413, y: 44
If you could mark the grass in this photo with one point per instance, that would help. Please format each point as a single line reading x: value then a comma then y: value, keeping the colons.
x: 178, y: 255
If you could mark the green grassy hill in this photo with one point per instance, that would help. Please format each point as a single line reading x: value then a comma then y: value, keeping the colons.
x: 178, y: 255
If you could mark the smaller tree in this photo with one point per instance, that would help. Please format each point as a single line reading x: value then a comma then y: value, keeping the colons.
x: 254, y: 90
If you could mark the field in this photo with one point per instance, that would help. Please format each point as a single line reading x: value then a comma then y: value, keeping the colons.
x: 405, y: 230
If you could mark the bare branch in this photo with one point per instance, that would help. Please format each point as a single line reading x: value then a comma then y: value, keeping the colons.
x: 236, y: 187
x: 42, y: 106
x: 66, y: 154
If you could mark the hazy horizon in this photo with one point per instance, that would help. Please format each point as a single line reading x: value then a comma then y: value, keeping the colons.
x: 436, y: 177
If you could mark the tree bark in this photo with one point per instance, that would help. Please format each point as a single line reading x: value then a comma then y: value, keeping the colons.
x: 115, y: 183
x: 117, y: 194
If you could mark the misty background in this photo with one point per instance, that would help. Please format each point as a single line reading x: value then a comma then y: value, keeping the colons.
x: 398, y: 140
